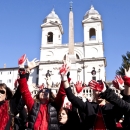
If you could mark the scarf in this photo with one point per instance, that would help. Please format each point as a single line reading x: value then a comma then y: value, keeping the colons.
x: 4, y: 116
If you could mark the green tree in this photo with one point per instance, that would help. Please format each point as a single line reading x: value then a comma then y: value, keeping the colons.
x: 125, y: 64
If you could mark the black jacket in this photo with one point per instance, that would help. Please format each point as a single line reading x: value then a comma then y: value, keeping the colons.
x: 52, y: 112
x: 110, y: 96
x: 110, y: 112
x: 16, y: 105
x: 13, y: 104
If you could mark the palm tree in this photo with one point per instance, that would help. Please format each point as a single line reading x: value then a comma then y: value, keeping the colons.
x: 125, y: 64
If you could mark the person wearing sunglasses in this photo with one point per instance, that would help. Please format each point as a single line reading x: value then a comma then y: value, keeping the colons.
x: 5, y: 95
x: 8, y: 106
x: 42, y: 113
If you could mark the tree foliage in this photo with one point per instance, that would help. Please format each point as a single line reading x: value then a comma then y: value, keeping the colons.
x: 125, y: 64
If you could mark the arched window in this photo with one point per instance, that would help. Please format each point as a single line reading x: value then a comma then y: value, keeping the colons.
x: 50, y: 38
x: 77, y: 56
x: 64, y: 57
x: 92, y: 34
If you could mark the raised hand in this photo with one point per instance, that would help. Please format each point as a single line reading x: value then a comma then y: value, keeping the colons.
x: 64, y: 69
x: 126, y: 78
x: 97, y: 86
x: 78, y: 87
x: 118, y: 82
x: 127, y: 73
x: 32, y: 64
x: 41, y: 87
x: 67, y: 104
x: 21, y: 61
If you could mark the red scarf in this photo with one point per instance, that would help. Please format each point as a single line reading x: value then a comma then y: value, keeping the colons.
x: 4, y: 116
x: 99, y: 123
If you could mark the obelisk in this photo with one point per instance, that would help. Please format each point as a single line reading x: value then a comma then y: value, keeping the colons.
x: 71, y: 35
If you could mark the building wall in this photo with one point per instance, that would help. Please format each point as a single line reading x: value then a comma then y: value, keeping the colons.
x: 89, y: 53
x: 8, y: 76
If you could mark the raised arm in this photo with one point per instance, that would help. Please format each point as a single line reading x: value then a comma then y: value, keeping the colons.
x: 109, y: 95
x: 71, y: 97
x: 26, y: 95
x: 77, y: 102
x: 60, y: 96
x: 113, y: 98
x: 126, y: 79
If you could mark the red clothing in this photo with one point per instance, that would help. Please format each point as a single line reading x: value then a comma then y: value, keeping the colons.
x: 29, y: 101
x: 42, y: 118
x: 99, y: 123
x: 118, y: 125
x: 4, y: 115
x: 61, y: 94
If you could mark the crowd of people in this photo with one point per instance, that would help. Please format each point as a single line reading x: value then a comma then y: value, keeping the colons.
x: 67, y: 110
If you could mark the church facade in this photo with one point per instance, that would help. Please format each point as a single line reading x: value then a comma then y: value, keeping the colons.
x: 89, y: 63
x: 89, y: 59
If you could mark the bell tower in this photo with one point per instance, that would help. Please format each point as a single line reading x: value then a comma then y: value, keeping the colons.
x: 93, y: 45
x: 93, y: 26
x: 52, y: 30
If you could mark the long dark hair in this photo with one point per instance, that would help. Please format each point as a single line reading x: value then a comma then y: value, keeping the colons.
x: 65, y: 109
x: 9, y: 93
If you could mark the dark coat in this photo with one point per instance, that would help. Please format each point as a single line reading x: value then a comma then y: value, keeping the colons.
x: 110, y: 96
x: 13, y: 111
x: 73, y: 122
x: 110, y: 112
x: 52, y: 112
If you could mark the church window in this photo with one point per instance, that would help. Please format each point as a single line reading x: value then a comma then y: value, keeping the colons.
x: 64, y: 57
x: 77, y: 56
x: 92, y: 34
x: 9, y: 81
x: 50, y: 38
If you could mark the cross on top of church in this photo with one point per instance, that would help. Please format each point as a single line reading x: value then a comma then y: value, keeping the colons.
x: 71, y: 5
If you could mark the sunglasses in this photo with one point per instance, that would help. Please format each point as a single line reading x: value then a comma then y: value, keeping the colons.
x: 2, y: 91
x: 45, y: 91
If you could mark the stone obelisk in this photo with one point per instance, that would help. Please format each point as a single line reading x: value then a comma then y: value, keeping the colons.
x: 71, y: 35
